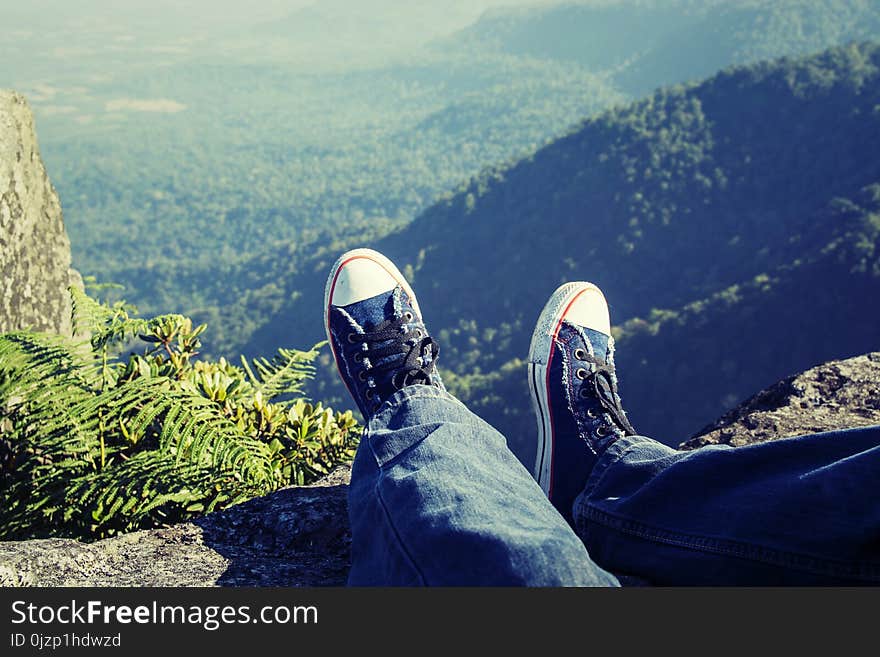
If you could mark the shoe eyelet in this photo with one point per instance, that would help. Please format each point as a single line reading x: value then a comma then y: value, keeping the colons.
x: 408, y: 316
x: 581, y: 373
x: 417, y: 334
x: 352, y: 338
x: 362, y: 375
x: 369, y: 394
x: 590, y: 412
x: 580, y: 354
x: 584, y: 393
x: 358, y: 357
x: 602, y: 431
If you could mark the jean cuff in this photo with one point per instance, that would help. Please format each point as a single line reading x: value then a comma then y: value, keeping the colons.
x: 384, y: 433
x: 415, y: 391
x: 609, y: 457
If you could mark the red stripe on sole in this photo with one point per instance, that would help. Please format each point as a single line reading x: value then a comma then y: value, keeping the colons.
x: 547, y: 386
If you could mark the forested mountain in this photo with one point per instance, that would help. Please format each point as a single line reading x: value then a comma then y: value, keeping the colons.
x: 734, y: 226
x: 644, y: 44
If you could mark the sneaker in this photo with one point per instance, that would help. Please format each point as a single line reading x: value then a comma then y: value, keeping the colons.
x: 375, y: 330
x: 574, y: 391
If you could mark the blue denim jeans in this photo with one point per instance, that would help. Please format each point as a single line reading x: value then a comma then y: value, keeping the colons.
x: 436, y: 498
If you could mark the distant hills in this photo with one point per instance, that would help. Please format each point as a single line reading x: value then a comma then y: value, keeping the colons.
x: 647, y: 44
x: 341, y: 34
x: 734, y: 226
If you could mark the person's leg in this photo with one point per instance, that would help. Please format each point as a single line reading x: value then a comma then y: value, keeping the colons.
x: 795, y: 511
x: 436, y: 498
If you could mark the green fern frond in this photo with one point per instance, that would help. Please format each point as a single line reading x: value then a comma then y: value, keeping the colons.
x: 148, y: 486
x: 284, y: 374
x: 91, y: 445
x: 27, y: 359
x: 89, y: 316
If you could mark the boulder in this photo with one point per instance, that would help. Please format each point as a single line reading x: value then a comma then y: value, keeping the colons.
x: 35, y: 255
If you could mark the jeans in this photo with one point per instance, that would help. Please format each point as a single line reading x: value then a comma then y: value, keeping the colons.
x: 436, y: 498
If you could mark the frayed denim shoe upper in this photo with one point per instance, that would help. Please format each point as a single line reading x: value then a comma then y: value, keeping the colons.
x: 381, y: 346
x: 586, y: 368
x: 585, y: 407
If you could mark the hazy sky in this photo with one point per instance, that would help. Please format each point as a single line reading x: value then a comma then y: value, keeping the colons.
x: 44, y: 39
x: 176, y: 16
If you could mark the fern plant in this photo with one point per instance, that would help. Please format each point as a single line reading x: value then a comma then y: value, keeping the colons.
x: 93, y: 442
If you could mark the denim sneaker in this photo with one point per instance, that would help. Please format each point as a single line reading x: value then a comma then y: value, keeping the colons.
x: 375, y: 329
x: 574, y: 391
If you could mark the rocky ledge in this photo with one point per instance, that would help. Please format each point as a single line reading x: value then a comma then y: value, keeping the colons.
x: 835, y: 395
x: 299, y: 536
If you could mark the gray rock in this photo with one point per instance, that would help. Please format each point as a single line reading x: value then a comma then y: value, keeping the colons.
x: 299, y: 536
x: 34, y: 249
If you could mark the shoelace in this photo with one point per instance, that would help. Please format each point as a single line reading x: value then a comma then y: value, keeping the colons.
x: 414, y: 362
x: 601, y: 385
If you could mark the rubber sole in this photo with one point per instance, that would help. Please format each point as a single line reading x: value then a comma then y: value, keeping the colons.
x: 540, y: 358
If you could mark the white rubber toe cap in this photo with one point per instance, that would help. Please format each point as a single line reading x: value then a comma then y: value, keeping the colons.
x: 589, y: 309
x: 579, y: 303
x: 360, y: 277
x: 360, y: 274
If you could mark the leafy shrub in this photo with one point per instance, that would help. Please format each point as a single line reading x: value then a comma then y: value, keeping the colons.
x: 94, y: 442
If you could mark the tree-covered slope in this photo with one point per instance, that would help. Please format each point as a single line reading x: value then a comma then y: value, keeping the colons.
x: 686, y: 364
x: 260, y: 155
x: 762, y: 177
